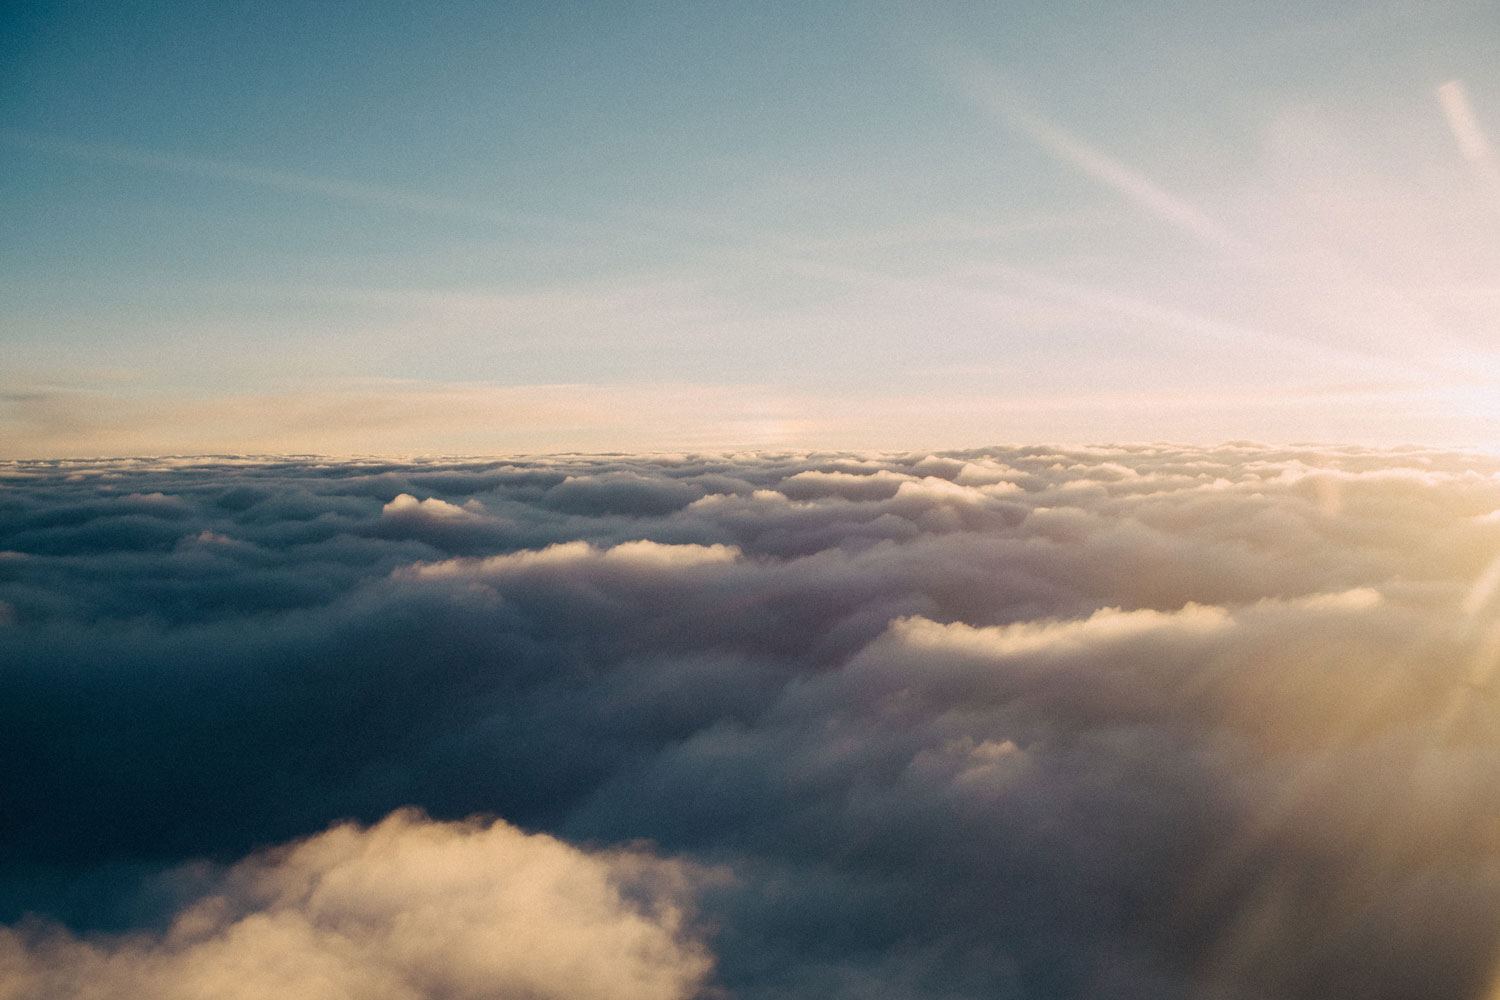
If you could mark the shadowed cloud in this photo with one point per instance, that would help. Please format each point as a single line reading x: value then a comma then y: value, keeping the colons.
x: 1011, y: 722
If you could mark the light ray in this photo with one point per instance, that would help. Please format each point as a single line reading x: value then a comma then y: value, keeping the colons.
x: 1472, y: 142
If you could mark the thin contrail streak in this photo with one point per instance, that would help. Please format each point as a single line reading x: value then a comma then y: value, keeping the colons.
x: 1472, y: 142
x: 994, y: 96
x: 192, y: 166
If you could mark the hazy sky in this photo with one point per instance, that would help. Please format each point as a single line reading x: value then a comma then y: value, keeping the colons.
x: 495, y: 227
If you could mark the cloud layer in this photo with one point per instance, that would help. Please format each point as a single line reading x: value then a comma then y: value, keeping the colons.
x: 1027, y: 722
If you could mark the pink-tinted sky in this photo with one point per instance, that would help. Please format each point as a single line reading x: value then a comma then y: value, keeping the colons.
x: 486, y: 228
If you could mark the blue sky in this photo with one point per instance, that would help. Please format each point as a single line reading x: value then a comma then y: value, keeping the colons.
x: 495, y: 227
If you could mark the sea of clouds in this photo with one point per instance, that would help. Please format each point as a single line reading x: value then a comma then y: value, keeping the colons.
x: 1146, y: 722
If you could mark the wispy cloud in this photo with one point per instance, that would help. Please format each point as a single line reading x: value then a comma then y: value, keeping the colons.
x: 242, y: 173
x: 1472, y: 142
x: 992, y: 92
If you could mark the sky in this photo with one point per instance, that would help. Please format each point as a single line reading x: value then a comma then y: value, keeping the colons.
x: 1028, y: 723
x: 749, y: 501
x: 456, y: 228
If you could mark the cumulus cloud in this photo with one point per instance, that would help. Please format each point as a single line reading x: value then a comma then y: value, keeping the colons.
x: 404, y: 910
x: 406, y: 505
x: 641, y: 553
x: 1015, y: 722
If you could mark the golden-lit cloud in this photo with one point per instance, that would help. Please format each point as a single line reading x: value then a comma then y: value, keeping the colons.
x: 408, y: 909
x: 1141, y: 721
x: 641, y: 554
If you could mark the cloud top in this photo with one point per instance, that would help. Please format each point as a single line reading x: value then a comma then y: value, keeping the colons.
x: 1143, y: 722
x: 404, y: 910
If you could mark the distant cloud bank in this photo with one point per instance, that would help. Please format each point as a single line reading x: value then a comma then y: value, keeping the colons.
x: 1147, y: 722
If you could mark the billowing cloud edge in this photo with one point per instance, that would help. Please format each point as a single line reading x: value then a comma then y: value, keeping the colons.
x: 408, y: 908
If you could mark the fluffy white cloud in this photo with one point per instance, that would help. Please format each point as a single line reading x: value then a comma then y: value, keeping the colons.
x: 640, y: 554
x: 1145, y: 722
x: 408, y: 909
x: 406, y: 505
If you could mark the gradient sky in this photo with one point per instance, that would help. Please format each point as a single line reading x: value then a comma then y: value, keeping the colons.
x: 485, y: 228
